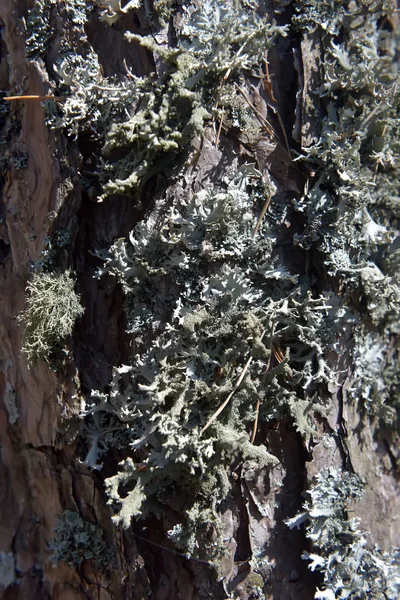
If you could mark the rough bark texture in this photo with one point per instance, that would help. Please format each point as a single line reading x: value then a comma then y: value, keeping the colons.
x: 41, y: 474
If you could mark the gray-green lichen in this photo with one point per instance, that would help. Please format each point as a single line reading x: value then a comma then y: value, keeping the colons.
x: 76, y: 540
x: 339, y: 546
x: 92, y: 102
x: 201, y: 522
x: 53, y: 246
x: 9, y: 399
x: 350, y: 208
x: 38, y: 26
x: 112, y: 10
x: 213, y: 41
x: 41, y: 22
x: 214, y: 299
x: 163, y: 10
x: 52, y: 307
x: 164, y: 111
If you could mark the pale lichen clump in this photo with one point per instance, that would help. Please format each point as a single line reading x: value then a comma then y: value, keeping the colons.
x: 216, y: 304
x: 38, y: 26
x: 165, y: 110
x: 76, y: 540
x: 339, y: 546
x: 112, y: 10
x: 353, y: 222
x: 52, y: 308
x: 213, y: 41
x: 93, y: 102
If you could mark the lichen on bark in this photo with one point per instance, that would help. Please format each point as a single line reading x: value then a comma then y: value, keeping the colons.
x: 239, y: 192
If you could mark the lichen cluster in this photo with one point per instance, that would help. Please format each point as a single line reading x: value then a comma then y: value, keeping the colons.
x: 77, y: 540
x: 340, y: 550
x: 38, y: 26
x: 50, y: 314
x: 209, y: 293
x: 213, y: 40
x: 352, y: 219
x: 92, y: 102
x: 144, y: 123
x: 212, y: 298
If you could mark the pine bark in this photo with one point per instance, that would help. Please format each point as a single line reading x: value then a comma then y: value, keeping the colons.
x: 41, y: 474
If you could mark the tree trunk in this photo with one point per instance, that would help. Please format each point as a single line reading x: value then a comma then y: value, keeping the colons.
x: 219, y: 181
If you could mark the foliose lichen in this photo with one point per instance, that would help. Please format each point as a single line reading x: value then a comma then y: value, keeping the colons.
x: 77, y: 540
x: 92, y: 102
x: 53, y: 245
x: 201, y: 522
x: 7, y: 569
x: 38, y: 26
x: 212, y: 41
x: 340, y: 548
x: 9, y: 399
x: 164, y: 111
x: 216, y: 304
x: 112, y: 10
x: 350, y: 207
x: 218, y: 319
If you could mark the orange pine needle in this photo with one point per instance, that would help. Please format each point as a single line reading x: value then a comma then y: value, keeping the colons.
x: 278, y: 353
x: 33, y: 97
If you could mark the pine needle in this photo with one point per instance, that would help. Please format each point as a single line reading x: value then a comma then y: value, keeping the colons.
x: 33, y: 97
x: 262, y: 214
x: 226, y: 402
